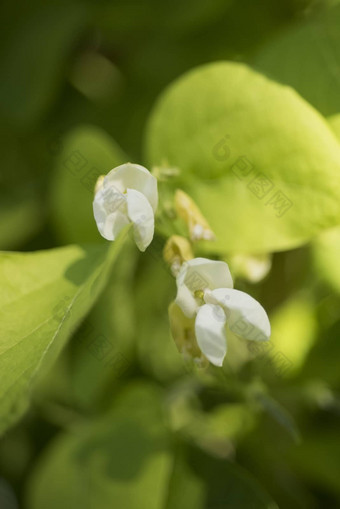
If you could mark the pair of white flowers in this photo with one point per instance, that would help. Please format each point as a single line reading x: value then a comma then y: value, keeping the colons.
x: 128, y: 194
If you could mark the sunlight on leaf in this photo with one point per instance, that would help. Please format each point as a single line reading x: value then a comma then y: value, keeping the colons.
x: 44, y: 297
x: 246, y: 148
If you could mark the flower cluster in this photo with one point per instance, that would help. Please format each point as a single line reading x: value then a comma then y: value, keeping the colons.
x: 205, y: 295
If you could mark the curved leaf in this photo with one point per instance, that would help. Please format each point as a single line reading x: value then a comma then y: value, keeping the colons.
x: 44, y: 297
x: 248, y: 153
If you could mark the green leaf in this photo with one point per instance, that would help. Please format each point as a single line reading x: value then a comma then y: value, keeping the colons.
x: 317, y: 460
x: 35, y: 59
x: 316, y: 44
x: 86, y: 153
x: 295, y: 319
x: 326, y: 247
x: 125, y: 456
x: 200, y: 482
x: 120, y: 460
x: 322, y: 363
x: 326, y: 255
x: 334, y: 122
x: 44, y: 297
x: 246, y: 148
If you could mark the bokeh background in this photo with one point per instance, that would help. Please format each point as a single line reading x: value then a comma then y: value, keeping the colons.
x: 120, y: 420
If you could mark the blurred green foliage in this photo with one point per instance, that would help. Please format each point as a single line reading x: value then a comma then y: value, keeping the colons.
x: 115, y: 417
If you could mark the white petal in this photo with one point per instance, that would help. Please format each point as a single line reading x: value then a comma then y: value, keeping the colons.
x: 186, y: 301
x: 141, y: 215
x: 108, y: 200
x: 113, y: 225
x: 210, y: 333
x: 99, y: 212
x: 109, y: 212
x: 201, y: 273
x: 134, y: 176
x: 245, y: 316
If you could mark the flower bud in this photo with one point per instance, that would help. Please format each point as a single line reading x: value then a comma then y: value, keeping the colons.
x: 187, y: 209
x: 183, y: 332
x: 177, y: 250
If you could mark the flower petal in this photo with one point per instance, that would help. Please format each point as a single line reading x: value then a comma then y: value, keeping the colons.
x: 134, y: 176
x: 186, y: 301
x: 109, y: 213
x: 199, y: 274
x: 210, y: 333
x: 99, y: 211
x: 114, y: 223
x: 245, y: 316
x: 141, y: 215
x: 183, y: 332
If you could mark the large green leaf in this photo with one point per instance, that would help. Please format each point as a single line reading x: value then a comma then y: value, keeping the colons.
x: 247, y: 153
x: 317, y: 460
x: 119, y: 460
x: 35, y: 60
x: 334, y: 122
x: 86, y: 153
x: 123, y: 459
x: 322, y: 363
x: 326, y: 255
x: 307, y: 58
x: 44, y: 296
x: 202, y: 482
x: 326, y: 247
x: 294, y: 330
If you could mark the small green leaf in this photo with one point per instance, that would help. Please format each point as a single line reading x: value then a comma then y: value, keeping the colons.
x: 86, y: 153
x: 246, y: 147
x: 44, y: 297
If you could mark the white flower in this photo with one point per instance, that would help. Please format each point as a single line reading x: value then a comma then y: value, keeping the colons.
x: 205, y: 291
x: 127, y: 194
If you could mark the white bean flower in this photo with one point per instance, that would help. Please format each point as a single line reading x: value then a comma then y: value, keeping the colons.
x: 205, y: 292
x: 127, y: 194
